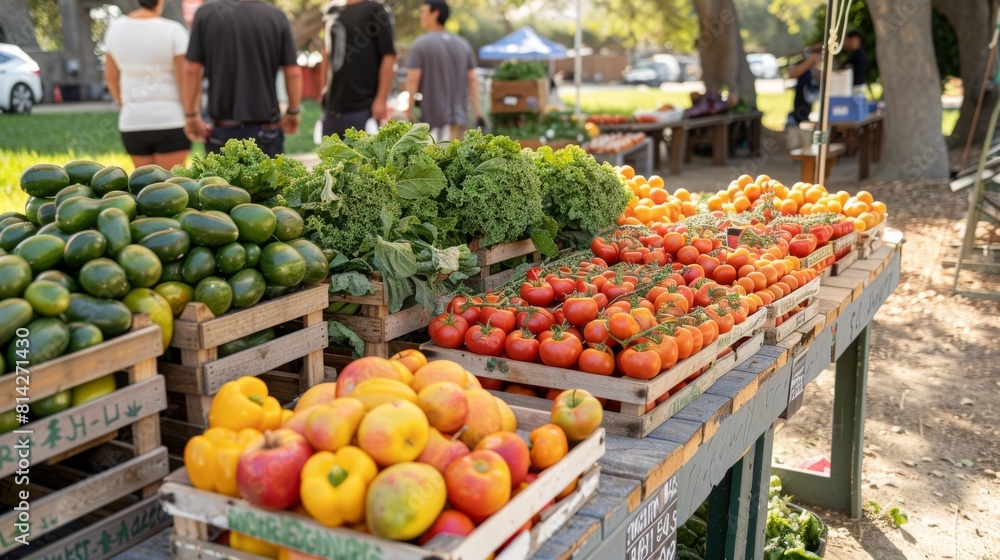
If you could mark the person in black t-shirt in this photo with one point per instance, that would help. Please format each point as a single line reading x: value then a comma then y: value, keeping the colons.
x: 856, y: 57
x: 240, y: 45
x: 358, y: 64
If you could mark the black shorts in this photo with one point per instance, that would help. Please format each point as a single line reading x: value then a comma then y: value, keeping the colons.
x: 149, y: 142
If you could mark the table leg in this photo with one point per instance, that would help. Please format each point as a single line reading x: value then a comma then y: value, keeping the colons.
x: 877, y: 129
x: 865, y: 152
x: 720, y: 506
x: 841, y: 489
x: 657, y: 138
x: 760, y: 486
x: 678, y: 141
x: 720, y: 143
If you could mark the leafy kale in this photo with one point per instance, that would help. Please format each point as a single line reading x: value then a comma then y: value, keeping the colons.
x: 790, y: 536
x: 493, y: 190
x: 580, y: 194
x: 508, y: 71
x: 242, y: 164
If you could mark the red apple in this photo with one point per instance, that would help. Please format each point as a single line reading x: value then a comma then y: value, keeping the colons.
x: 268, y: 471
x: 365, y: 368
x: 450, y: 522
x: 578, y: 413
x: 514, y: 451
x: 478, y: 484
x: 441, y: 450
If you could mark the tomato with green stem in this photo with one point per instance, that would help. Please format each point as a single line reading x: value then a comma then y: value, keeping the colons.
x: 535, y: 319
x: 448, y: 330
x: 580, y: 310
x: 522, y: 345
x: 501, y: 318
x: 485, y: 340
x: 639, y: 362
x: 560, y: 350
x: 537, y: 292
x: 599, y: 360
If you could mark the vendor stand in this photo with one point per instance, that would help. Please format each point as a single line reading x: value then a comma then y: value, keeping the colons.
x: 720, y: 447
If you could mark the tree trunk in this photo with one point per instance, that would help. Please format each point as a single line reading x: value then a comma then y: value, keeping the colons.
x: 723, y: 60
x: 912, y: 146
x: 17, y: 23
x: 973, y: 24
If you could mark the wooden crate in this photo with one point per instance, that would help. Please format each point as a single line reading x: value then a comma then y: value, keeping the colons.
x: 630, y: 424
x: 872, y: 240
x: 519, y: 96
x: 497, y: 254
x: 195, y: 510
x: 75, y: 470
x: 198, y: 334
x: 777, y: 329
x: 376, y: 325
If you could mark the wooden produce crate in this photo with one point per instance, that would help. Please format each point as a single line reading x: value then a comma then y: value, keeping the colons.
x: 198, y: 334
x: 845, y: 250
x: 376, y: 325
x: 519, y: 96
x: 776, y: 329
x: 872, y: 240
x: 635, y: 421
x: 81, y: 483
x: 497, y: 254
x: 635, y: 395
x: 194, y: 511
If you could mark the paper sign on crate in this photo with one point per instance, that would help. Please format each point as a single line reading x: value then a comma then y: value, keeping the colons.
x: 749, y: 327
x: 816, y: 257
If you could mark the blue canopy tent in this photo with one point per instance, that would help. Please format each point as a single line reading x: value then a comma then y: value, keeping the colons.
x: 523, y: 44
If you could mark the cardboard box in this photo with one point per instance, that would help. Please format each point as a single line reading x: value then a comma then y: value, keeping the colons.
x: 853, y: 108
x: 523, y: 96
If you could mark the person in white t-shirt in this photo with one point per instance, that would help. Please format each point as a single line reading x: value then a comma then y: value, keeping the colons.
x: 143, y: 64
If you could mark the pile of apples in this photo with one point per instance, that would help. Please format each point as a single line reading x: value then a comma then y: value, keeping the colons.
x: 404, y: 449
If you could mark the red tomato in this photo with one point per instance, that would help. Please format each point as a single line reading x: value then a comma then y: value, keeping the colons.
x: 708, y: 264
x: 802, y: 245
x: 537, y: 292
x: 522, y: 345
x: 580, y: 310
x: 623, y: 326
x: 644, y: 317
x: 672, y: 242
x: 693, y: 272
x: 723, y: 317
x: 461, y: 305
x: 485, y: 341
x: 687, y: 254
x: 600, y: 361
x: 604, y: 250
x: 535, y: 319
x: 613, y: 289
x: 448, y: 330
x: 561, y: 287
x: 702, y: 244
x: 657, y: 257
x: 823, y: 233
x: 666, y: 348
x: 560, y: 350
x: 725, y: 274
x: 596, y: 332
x: 640, y: 362
x: 503, y: 319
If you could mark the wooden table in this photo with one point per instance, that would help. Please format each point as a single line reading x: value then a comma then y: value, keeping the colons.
x: 808, y: 157
x: 721, y: 126
x: 720, y: 446
x: 641, y: 155
x: 654, y: 130
x: 865, y: 136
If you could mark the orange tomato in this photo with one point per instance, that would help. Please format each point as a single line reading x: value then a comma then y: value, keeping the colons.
x: 548, y: 445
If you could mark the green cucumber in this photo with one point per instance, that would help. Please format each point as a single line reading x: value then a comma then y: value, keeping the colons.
x: 82, y: 171
x: 53, y: 230
x: 14, y: 314
x: 47, y: 298
x: 113, y: 194
x: 142, y: 267
x: 198, y: 264
x: 111, y: 316
x: 83, y: 335
x: 109, y: 179
x: 192, y: 187
x: 247, y: 342
x: 317, y: 267
x: 44, y: 179
x: 15, y: 275
x: 290, y: 223
x: 146, y: 175
x: 148, y: 302
x: 282, y: 265
x: 222, y: 197
x: 61, y: 278
x: 83, y: 247
x: 255, y: 222
x: 47, y: 213
x: 76, y: 214
x: 170, y: 245
x: 31, y: 208
x: 73, y: 191
x: 173, y: 272
x: 145, y: 226
x: 210, y: 228
x: 41, y: 251
x: 177, y: 294
x: 248, y: 286
x: 124, y: 201
x: 12, y: 221
x: 114, y: 226
x: 162, y: 199
x: 104, y: 278
x: 47, y: 338
x: 215, y: 293
x: 231, y: 258
x: 12, y: 235
x: 253, y: 254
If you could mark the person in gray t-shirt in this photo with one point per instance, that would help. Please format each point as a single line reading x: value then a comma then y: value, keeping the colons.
x: 442, y: 68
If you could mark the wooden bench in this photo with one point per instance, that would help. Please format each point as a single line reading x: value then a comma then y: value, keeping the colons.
x: 808, y: 157
x: 720, y: 125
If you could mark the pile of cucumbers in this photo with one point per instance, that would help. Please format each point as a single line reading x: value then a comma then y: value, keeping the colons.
x: 96, y: 244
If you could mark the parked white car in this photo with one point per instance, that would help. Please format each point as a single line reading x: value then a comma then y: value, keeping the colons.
x: 20, y: 82
x: 763, y: 65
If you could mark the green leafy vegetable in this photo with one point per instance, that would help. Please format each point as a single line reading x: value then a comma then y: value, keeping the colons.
x: 341, y: 335
x: 244, y: 165
x: 512, y: 71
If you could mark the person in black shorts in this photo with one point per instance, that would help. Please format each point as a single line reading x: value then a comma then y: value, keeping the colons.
x: 240, y: 45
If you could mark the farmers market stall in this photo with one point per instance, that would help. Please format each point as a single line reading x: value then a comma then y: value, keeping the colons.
x: 588, y: 309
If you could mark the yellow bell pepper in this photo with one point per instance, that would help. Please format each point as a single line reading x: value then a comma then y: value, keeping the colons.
x: 211, y: 458
x: 244, y: 404
x: 334, y: 485
x: 286, y: 414
x: 246, y: 543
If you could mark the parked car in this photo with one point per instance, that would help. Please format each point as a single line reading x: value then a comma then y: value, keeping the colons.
x: 20, y: 82
x: 653, y: 71
x: 763, y: 65
x: 690, y: 68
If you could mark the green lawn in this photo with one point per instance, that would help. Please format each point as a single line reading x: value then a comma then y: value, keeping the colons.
x: 61, y: 138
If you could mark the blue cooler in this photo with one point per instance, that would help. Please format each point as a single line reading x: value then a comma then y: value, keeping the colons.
x: 852, y: 108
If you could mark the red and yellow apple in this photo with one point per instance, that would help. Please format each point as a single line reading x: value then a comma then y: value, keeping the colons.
x: 332, y: 426
x: 484, y: 417
x: 445, y: 405
x: 478, y: 484
x: 439, y: 370
x: 361, y: 369
x: 317, y: 394
x: 404, y: 500
x: 268, y: 472
x: 450, y: 522
x: 394, y: 432
x: 514, y: 451
x: 578, y: 413
x: 441, y: 450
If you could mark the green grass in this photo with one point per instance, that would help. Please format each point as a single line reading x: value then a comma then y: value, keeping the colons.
x: 61, y: 138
